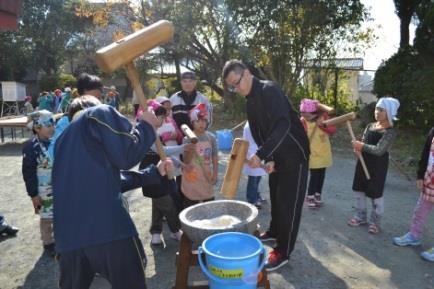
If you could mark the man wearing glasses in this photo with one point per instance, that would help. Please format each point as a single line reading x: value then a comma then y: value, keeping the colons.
x: 280, y: 136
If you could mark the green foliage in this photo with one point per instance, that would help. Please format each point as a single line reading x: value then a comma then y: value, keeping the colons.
x: 409, y: 76
x: 66, y: 79
x: 49, y: 25
x: 14, y: 57
x: 46, y: 28
x: 49, y: 83
x: 204, y: 36
x: 282, y: 35
x: 60, y: 80
x: 327, y: 97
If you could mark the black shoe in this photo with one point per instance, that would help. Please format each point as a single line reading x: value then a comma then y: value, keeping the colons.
x: 51, y: 249
x: 258, y: 205
x: 9, y: 231
x: 266, y: 236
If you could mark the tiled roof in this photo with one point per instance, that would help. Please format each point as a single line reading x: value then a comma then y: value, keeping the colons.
x: 343, y: 63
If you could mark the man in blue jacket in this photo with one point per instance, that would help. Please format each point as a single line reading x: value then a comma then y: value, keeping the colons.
x: 94, y: 232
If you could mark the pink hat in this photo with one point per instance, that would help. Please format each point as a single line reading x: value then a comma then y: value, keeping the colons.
x: 308, y: 105
x: 153, y: 104
x: 198, y: 112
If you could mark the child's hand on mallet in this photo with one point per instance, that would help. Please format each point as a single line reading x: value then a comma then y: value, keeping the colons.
x: 269, y: 167
x: 165, y: 166
x: 357, y: 145
x: 37, y: 203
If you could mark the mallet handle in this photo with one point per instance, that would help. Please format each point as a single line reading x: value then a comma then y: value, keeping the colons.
x: 361, y: 159
x: 189, y: 133
x: 135, y: 82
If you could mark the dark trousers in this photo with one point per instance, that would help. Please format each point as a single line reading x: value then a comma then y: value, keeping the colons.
x: 316, y: 181
x: 189, y: 203
x: 252, y: 193
x: 121, y: 262
x: 179, y: 200
x: 287, y: 192
x: 164, y: 206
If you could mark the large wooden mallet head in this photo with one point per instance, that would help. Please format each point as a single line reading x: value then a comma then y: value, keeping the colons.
x: 125, y: 50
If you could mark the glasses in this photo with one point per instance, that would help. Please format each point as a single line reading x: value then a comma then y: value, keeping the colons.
x: 234, y: 86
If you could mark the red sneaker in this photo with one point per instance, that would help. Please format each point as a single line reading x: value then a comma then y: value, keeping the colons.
x: 275, y: 261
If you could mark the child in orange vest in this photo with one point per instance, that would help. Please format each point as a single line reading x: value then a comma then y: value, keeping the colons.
x: 200, y: 173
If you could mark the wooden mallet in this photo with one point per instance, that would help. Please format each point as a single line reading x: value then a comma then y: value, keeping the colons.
x: 124, y: 51
x: 189, y: 133
x: 234, y: 168
x: 347, y: 118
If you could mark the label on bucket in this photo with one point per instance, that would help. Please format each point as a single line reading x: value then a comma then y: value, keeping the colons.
x: 226, y: 273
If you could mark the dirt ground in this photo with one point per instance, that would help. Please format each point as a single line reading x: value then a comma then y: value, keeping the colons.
x: 328, y: 253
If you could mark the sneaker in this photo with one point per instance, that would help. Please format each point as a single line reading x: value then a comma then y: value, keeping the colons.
x: 9, y: 230
x: 50, y: 249
x: 263, y: 201
x: 428, y: 255
x: 318, y: 200
x: 258, y: 204
x: 275, y: 261
x: 156, y: 240
x: 406, y: 240
x: 264, y: 237
x: 176, y: 236
x: 310, y: 202
x: 373, y: 229
x: 355, y: 222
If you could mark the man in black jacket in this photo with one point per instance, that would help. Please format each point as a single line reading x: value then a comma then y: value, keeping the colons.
x: 281, y: 138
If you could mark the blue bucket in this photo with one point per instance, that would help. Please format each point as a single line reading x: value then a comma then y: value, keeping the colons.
x: 233, y: 260
x: 224, y: 139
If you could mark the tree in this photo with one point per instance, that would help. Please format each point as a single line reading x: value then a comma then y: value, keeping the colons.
x: 204, y: 37
x: 282, y: 35
x: 48, y: 26
x: 405, y: 9
x: 409, y: 74
x: 14, y: 56
x: 45, y: 29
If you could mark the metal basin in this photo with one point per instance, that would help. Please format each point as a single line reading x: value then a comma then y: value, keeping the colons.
x: 195, y: 219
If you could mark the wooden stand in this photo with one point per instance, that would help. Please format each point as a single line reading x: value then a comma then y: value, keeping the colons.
x: 187, y: 258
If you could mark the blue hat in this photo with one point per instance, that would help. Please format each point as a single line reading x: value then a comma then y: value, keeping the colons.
x: 40, y: 118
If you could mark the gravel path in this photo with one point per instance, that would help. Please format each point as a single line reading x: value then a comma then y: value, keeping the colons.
x: 328, y: 253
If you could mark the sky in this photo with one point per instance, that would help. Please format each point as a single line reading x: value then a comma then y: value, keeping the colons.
x: 386, y: 24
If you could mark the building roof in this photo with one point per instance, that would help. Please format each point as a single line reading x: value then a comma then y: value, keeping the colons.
x: 342, y: 63
x: 9, y: 12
